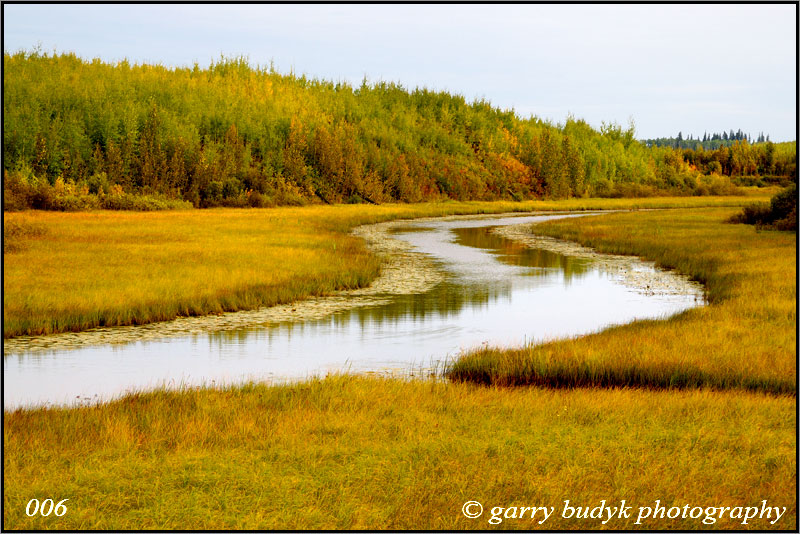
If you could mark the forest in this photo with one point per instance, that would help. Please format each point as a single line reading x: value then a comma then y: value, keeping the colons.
x: 83, y: 134
x: 711, y: 141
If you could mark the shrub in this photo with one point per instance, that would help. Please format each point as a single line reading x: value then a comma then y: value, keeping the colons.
x: 779, y: 214
x: 18, y: 190
x: 74, y: 202
x: 784, y: 202
x: 752, y: 214
x: 126, y: 201
x: 98, y: 182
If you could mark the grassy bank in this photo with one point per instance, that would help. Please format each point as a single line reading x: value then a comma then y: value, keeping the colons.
x: 372, y: 454
x: 74, y: 271
x: 746, y: 338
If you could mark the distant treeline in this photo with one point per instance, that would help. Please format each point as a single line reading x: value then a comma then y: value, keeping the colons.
x: 775, y: 162
x: 708, y: 141
x: 81, y: 134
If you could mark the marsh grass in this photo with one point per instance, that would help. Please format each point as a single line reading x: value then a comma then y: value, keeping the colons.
x: 348, y: 452
x: 18, y: 234
x: 369, y: 453
x: 746, y: 337
x: 119, y: 268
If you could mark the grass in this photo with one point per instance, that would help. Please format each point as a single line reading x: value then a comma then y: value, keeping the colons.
x: 119, y: 268
x: 746, y: 338
x: 368, y: 453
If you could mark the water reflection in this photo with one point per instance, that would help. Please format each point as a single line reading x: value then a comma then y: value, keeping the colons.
x: 513, y: 253
x: 495, y: 291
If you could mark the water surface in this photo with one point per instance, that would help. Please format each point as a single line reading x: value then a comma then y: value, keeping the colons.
x: 495, y: 292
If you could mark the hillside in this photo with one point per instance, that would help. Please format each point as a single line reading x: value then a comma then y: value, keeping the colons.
x: 81, y: 134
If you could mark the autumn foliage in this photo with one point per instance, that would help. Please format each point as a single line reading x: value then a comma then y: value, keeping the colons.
x: 238, y: 135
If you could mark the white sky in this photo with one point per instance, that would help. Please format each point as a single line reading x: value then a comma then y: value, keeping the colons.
x: 670, y: 68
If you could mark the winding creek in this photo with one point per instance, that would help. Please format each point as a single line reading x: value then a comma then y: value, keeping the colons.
x: 449, y: 285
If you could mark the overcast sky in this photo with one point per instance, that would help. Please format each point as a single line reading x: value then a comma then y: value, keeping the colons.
x: 670, y: 68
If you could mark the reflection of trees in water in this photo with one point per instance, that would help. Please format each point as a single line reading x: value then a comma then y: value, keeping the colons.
x: 513, y: 253
x: 239, y: 336
x: 446, y: 299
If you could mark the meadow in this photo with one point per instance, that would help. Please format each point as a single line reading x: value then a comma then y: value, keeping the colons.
x: 369, y: 453
x: 697, y: 410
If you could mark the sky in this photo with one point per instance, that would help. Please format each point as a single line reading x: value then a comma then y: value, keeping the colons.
x: 668, y: 68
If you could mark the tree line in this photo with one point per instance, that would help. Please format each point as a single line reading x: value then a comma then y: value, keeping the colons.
x: 86, y: 133
x: 711, y: 141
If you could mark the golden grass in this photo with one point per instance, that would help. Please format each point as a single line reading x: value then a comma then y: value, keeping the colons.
x: 82, y: 270
x: 368, y: 453
x: 746, y: 337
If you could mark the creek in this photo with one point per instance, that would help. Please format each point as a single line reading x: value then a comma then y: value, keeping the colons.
x: 489, y: 289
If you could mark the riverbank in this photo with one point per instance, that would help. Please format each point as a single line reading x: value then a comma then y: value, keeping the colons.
x: 71, y: 272
x: 402, y: 272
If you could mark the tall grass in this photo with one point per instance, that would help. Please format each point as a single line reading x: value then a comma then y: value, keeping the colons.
x: 368, y: 453
x: 117, y: 268
x: 746, y: 337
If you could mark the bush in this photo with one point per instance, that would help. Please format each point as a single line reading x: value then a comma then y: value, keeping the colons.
x: 752, y: 214
x: 779, y: 214
x: 748, y: 181
x: 258, y: 200
x: 74, y: 202
x: 788, y: 223
x: 126, y: 201
x: 98, y: 182
x: 17, y: 191
x: 607, y: 189
x: 713, y: 184
x: 784, y: 202
x: 784, y: 209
